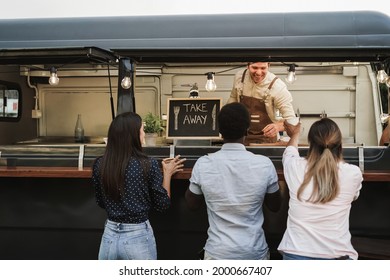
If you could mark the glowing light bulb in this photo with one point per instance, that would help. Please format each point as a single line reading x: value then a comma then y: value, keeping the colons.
x: 53, y: 80
x: 210, y: 84
x: 126, y: 82
x: 384, y: 118
x: 291, y: 78
x: 381, y: 76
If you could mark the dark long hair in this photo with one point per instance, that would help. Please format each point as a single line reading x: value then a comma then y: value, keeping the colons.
x: 123, y: 144
x: 325, y: 152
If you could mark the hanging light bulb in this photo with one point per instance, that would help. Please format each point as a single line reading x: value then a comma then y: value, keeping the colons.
x: 381, y: 76
x: 384, y: 117
x: 53, y: 80
x: 210, y: 84
x: 126, y: 82
x: 128, y: 71
x: 291, y: 78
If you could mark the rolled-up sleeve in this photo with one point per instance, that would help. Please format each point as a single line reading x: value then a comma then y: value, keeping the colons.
x: 283, y: 102
x: 195, y: 180
x: 293, y: 166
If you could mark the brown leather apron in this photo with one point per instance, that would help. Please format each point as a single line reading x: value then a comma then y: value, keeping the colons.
x: 259, y: 118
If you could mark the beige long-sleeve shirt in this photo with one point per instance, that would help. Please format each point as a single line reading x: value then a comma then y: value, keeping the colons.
x: 276, y: 99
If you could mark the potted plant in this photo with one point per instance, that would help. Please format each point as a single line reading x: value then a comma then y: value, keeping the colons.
x: 152, y: 126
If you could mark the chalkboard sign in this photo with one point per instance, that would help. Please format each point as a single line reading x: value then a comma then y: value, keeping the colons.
x: 193, y: 118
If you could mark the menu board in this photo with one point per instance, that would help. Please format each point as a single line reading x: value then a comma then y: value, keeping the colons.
x: 193, y: 118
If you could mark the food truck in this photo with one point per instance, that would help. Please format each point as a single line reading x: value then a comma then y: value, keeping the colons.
x: 53, y: 70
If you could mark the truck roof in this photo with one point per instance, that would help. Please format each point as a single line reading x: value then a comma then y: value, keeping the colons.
x: 309, y: 36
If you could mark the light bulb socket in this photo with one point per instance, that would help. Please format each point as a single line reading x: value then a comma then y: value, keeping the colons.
x: 379, y: 66
x: 194, y: 91
x: 210, y: 75
x: 291, y: 68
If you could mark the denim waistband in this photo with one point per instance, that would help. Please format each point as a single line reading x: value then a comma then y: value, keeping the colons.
x: 125, y: 226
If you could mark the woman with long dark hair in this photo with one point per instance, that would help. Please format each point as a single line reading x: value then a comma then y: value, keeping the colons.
x: 322, y: 187
x: 128, y: 184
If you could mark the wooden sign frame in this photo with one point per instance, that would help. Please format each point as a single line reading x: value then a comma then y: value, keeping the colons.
x: 193, y: 118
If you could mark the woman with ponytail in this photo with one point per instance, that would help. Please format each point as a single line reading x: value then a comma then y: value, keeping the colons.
x: 322, y: 187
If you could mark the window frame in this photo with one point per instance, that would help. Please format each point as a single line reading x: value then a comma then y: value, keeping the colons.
x: 5, y: 86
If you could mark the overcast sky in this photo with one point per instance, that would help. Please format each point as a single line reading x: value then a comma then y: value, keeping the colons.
x: 87, y: 8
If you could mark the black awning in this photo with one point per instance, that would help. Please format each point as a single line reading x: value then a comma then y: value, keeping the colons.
x: 56, y: 56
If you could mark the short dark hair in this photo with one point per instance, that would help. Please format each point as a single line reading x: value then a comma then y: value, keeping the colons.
x: 233, y: 121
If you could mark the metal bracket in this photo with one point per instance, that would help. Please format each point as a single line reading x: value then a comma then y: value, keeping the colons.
x: 172, y: 151
x: 81, y: 157
x: 361, y: 158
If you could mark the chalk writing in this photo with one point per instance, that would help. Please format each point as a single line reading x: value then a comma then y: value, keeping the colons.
x: 201, y: 107
x: 193, y: 118
x: 188, y: 119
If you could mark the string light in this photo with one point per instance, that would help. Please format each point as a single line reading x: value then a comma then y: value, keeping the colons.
x: 381, y: 76
x: 210, y: 84
x: 126, y: 82
x: 128, y: 67
x: 53, y: 80
x: 291, y: 78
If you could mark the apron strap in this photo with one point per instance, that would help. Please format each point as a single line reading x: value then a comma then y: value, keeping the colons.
x: 272, y: 83
x: 241, y: 92
x: 243, y: 75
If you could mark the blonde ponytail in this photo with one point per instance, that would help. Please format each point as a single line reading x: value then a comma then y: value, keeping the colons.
x: 324, y: 154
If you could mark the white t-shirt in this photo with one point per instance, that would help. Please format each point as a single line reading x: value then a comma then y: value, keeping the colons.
x: 318, y: 230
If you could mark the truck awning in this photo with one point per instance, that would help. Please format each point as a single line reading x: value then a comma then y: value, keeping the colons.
x: 309, y: 36
x: 57, y: 55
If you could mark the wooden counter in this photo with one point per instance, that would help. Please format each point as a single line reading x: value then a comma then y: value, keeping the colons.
x: 45, y: 172
x: 74, y: 172
x: 55, y: 206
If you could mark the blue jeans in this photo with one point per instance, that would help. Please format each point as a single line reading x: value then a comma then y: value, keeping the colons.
x: 122, y: 241
x: 207, y: 257
x: 287, y: 256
